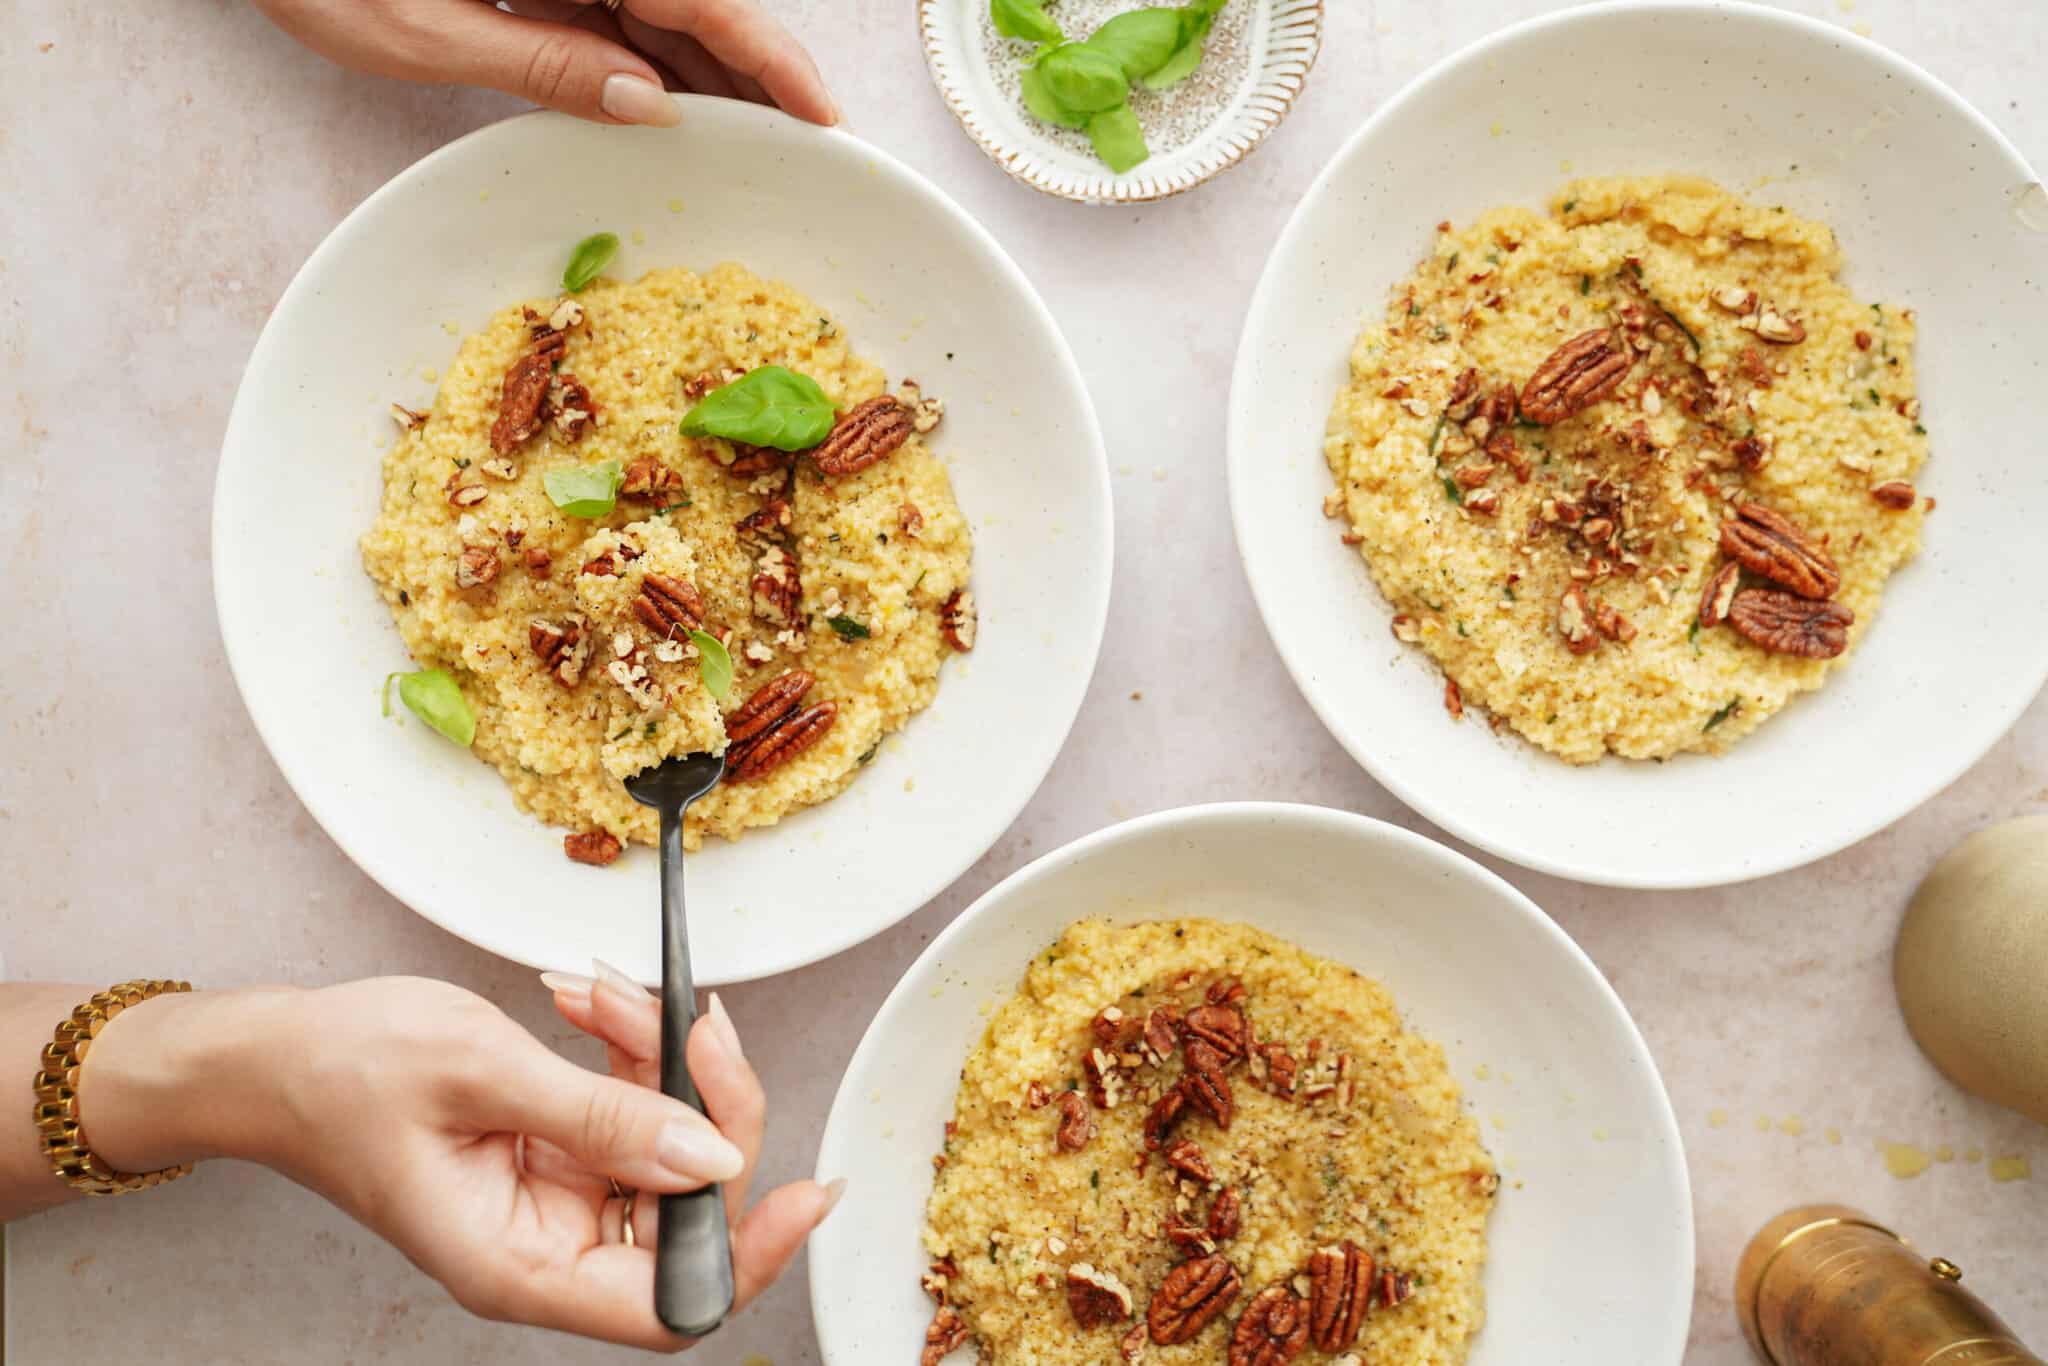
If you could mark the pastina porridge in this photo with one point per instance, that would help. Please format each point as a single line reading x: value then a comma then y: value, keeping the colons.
x: 1188, y: 1141
x: 1634, y: 472
x: 551, y: 538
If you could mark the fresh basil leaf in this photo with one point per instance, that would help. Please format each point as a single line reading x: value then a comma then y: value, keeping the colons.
x: 434, y: 697
x: 1084, y: 79
x: 848, y: 628
x: 1118, y: 139
x: 768, y: 406
x: 1197, y: 19
x: 588, y: 261
x: 1142, y: 40
x: 714, y: 664
x: 1042, y: 105
x: 1024, y: 19
x: 584, y: 490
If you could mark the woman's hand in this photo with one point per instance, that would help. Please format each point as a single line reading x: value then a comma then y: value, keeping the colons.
x: 596, y: 59
x: 441, y: 1124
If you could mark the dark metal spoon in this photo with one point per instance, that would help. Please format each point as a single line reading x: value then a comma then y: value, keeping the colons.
x: 693, y: 1287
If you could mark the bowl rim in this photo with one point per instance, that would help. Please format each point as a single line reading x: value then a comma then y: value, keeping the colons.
x: 1333, y: 823
x: 1105, y: 186
x: 395, y: 877
x: 1322, y: 699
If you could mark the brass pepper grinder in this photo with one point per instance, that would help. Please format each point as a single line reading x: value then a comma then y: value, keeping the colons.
x: 1823, y: 1285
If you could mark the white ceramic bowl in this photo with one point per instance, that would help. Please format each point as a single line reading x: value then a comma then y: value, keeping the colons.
x: 487, y: 220
x: 1570, y: 1103
x: 1929, y: 203
x: 1259, y: 57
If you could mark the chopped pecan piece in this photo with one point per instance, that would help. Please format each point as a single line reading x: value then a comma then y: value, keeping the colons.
x: 1769, y: 545
x: 1718, y: 594
x: 1076, y: 1127
x: 768, y: 522
x: 1272, y: 1331
x: 1096, y: 1297
x: 1225, y: 991
x: 1612, y: 623
x: 773, y: 748
x: 1165, y: 1113
x: 1105, y: 1083
x: 910, y: 520
x: 959, y: 620
x: 1503, y: 447
x: 569, y: 408
x: 1575, y: 622
x: 649, y: 480
x: 538, y: 561
x: 526, y: 389
x: 771, y: 702
x: 1131, y: 1347
x: 563, y: 649
x: 1162, y: 1034
x: 1226, y: 1215
x: 697, y: 387
x: 1107, y: 1025
x: 1896, y: 494
x: 1186, y: 1157
x: 1752, y: 362
x: 947, y: 1334
x: 1341, y: 1291
x: 937, y: 1277
x: 1208, y: 1090
x: 751, y: 462
x: 864, y: 434
x: 1751, y: 453
x: 477, y: 568
x: 1037, y: 1096
x: 1193, y: 1239
x: 1577, y: 375
x: 1190, y: 1298
x: 1222, y: 1027
x: 595, y: 847
x: 1454, y: 699
x: 1779, y: 328
x: 407, y: 418
x: 1790, y: 624
x: 465, y: 490
x: 1471, y: 476
x: 1281, y: 1068
x: 1396, y: 1287
x: 925, y: 413
x: 777, y: 589
x: 1464, y: 396
x: 668, y: 607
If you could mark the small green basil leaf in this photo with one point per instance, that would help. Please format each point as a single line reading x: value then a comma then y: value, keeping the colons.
x: 1118, y: 139
x: 768, y: 406
x: 1042, y: 105
x: 714, y: 664
x: 433, y: 696
x: 848, y: 628
x: 1084, y: 79
x: 1024, y: 19
x: 584, y: 490
x: 588, y: 261
x: 1142, y: 40
x: 1196, y: 21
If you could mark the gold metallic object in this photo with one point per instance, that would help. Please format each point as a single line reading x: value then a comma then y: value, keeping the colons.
x: 56, y: 1085
x: 626, y: 1220
x: 1824, y: 1285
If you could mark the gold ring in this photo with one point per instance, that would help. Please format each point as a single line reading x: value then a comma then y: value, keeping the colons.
x: 626, y: 1220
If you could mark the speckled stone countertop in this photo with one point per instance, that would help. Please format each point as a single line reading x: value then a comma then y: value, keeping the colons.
x: 168, y: 168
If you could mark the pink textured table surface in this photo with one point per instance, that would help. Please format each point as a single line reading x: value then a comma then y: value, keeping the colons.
x: 168, y: 166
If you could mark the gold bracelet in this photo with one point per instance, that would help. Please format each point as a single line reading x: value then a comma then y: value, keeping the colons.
x: 57, y: 1093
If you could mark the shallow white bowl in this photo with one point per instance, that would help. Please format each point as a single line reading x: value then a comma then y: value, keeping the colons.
x: 1571, y: 1104
x: 1929, y: 202
x: 920, y: 288
x: 1259, y: 58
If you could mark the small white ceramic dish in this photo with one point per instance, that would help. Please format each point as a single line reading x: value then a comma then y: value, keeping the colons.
x: 1932, y: 207
x: 1570, y: 1101
x: 1259, y: 57
x: 488, y: 220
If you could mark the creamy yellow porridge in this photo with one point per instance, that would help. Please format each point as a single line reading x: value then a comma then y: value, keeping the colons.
x: 1187, y: 1141
x: 1633, y: 471
x: 835, y: 578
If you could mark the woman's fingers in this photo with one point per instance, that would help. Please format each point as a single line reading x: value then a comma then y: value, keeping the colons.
x: 750, y: 44
x: 732, y: 1092
x: 563, y: 66
x: 697, y: 70
x: 764, y: 1241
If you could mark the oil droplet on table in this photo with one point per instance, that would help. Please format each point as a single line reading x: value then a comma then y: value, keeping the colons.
x: 1973, y: 1155
x: 2030, y: 206
x: 1793, y: 1125
x: 1834, y: 1134
x: 1944, y: 1154
x: 1716, y: 1118
x: 1763, y: 1124
x: 2012, y: 1168
x: 1903, y: 1160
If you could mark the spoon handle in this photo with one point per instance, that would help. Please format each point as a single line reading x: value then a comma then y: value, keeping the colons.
x: 693, y: 1285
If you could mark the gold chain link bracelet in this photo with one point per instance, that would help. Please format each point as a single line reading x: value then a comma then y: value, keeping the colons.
x: 57, y: 1093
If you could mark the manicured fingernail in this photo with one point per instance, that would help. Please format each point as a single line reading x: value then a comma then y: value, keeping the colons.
x: 630, y: 99
x: 694, y: 1149
x: 568, y: 984
x: 833, y: 1190
x: 620, y: 982
x: 727, y: 1035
